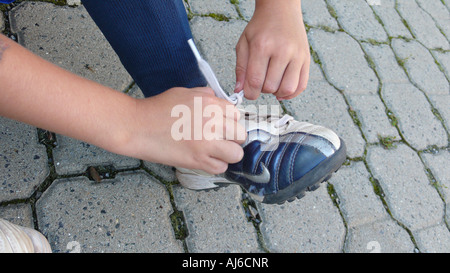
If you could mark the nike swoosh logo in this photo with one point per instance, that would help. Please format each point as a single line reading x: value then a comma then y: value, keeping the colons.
x: 262, y: 178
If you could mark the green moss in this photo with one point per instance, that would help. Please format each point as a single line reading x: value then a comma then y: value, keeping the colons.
x: 387, y: 142
x: 432, y: 180
x: 179, y: 226
x: 331, y: 11
x: 392, y: 118
x: 217, y: 16
x: 376, y: 187
x: 373, y: 42
x: 354, y: 117
x: 347, y: 162
x: 401, y: 62
x: 3, y: 7
x: 315, y: 57
x: 327, y: 29
x: 371, y: 63
x: 56, y: 2
x: 332, y: 193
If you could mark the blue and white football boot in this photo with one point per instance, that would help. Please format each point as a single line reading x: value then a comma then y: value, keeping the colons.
x: 283, y: 157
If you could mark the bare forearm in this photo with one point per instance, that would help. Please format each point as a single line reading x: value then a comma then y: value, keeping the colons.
x: 39, y: 93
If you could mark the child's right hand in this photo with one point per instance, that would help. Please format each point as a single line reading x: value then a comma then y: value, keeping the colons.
x: 156, y: 130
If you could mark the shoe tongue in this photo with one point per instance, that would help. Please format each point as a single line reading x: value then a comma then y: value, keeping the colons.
x: 210, y: 77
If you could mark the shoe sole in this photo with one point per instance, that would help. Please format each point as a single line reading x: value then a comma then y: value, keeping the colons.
x: 309, y: 182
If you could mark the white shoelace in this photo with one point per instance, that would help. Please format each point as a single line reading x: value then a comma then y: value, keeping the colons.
x: 236, y: 98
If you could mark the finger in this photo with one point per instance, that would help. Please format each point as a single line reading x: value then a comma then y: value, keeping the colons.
x: 256, y: 72
x: 304, y: 76
x: 302, y: 85
x: 241, y: 63
x: 215, y: 166
x: 275, y: 72
x: 290, y: 80
x: 227, y: 151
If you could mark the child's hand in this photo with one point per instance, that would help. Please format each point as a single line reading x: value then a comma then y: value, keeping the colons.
x: 272, y: 55
x: 155, y: 139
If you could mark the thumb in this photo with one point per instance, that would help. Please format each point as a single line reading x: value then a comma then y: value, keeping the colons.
x: 241, y: 63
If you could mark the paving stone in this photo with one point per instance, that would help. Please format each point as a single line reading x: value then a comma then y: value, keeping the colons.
x: 135, y: 92
x: 315, y: 72
x: 358, y: 19
x: 73, y: 2
x: 321, y: 104
x: 434, y: 239
x: 392, y: 21
x: 415, y: 119
x: 408, y: 193
x: 447, y: 3
x: 166, y: 173
x: 216, y: 221
x: 438, y: 164
x: 127, y: 214
x: 247, y: 7
x: 343, y: 62
x: 386, y: 65
x: 357, y: 199
x: 443, y: 59
x: 219, y: 50
x: 379, y: 237
x: 442, y: 104
x: 441, y: 15
x: 372, y: 114
x: 422, y: 25
x: 311, y: 224
x: 421, y: 67
x: 213, y: 7
x: 72, y: 156
x: 19, y: 214
x: 69, y: 38
x: 447, y: 215
x: 315, y: 13
x: 23, y: 161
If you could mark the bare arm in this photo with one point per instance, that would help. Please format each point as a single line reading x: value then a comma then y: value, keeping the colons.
x: 39, y: 93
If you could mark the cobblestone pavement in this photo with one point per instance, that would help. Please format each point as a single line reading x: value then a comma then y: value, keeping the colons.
x: 379, y: 78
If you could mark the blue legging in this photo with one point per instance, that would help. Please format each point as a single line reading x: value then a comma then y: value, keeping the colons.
x: 150, y: 38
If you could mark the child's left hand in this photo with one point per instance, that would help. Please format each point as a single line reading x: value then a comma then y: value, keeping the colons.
x: 272, y: 55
